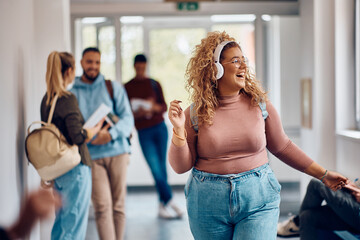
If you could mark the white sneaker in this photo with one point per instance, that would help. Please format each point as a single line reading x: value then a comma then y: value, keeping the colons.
x: 166, y: 212
x: 288, y: 228
x: 176, y: 209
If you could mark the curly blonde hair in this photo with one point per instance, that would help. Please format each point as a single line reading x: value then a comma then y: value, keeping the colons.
x: 201, y: 78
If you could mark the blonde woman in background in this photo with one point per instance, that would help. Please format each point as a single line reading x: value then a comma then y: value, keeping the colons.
x: 232, y: 193
x: 74, y: 186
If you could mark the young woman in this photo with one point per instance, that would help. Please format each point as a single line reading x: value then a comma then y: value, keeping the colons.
x: 74, y: 186
x: 232, y: 193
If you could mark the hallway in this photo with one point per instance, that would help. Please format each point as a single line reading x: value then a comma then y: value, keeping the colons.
x: 143, y: 223
x: 306, y: 53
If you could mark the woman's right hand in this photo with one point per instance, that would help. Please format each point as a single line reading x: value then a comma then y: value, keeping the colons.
x: 176, y: 115
x: 177, y: 119
x: 94, y: 130
x: 98, y: 126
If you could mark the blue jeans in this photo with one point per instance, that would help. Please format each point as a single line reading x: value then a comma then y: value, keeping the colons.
x: 153, y: 142
x: 233, y: 206
x: 71, y: 219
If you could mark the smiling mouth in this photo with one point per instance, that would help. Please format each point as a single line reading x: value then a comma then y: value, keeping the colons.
x: 241, y: 75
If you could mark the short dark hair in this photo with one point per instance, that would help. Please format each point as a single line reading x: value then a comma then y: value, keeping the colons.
x: 90, y: 49
x: 140, y: 58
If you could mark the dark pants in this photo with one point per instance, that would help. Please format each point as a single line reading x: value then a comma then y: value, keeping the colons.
x: 341, y: 211
x: 153, y: 142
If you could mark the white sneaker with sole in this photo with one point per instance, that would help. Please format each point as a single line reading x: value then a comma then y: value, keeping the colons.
x: 166, y: 212
x: 288, y: 228
x: 176, y: 209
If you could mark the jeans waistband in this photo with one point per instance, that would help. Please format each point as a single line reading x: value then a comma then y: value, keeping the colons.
x: 234, y: 176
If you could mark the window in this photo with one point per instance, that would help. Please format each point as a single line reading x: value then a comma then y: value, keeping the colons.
x: 170, y: 51
x: 131, y: 44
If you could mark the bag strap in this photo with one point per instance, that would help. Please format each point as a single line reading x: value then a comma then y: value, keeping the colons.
x: 36, y: 122
x: 52, y: 109
x: 110, y: 90
x: 194, y: 118
x: 264, y: 113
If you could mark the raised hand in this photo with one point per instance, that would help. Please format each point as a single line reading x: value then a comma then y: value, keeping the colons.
x: 176, y: 115
x: 177, y: 119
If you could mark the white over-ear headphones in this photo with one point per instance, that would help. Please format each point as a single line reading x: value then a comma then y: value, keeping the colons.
x: 217, y: 53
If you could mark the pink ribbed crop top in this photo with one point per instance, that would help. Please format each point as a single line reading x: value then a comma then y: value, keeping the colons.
x: 236, y: 141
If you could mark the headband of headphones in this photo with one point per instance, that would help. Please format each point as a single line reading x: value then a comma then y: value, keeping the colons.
x: 219, y: 49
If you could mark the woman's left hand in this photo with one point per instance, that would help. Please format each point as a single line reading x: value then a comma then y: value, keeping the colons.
x: 335, y: 181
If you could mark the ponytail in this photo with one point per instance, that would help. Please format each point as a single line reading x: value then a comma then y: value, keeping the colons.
x: 57, y: 65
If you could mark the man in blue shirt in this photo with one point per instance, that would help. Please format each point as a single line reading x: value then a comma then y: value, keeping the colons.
x: 110, y: 148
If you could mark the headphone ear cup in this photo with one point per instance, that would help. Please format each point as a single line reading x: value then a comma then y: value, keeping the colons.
x: 220, y: 70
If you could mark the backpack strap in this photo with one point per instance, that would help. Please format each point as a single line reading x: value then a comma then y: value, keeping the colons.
x: 194, y: 118
x: 264, y: 113
x: 109, y: 87
x: 52, y: 109
x: 110, y: 90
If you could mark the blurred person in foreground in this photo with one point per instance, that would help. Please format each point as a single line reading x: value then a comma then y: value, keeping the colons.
x: 38, y: 205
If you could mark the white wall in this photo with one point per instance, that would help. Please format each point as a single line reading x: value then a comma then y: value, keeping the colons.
x: 328, y: 58
x: 30, y: 30
x: 307, y: 71
x: 347, y: 148
x: 324, y: 83
x: 14, y: 53
x: 283, y: 62
x: 317, y: 19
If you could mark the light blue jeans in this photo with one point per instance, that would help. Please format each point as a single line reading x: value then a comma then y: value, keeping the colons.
x: 233, y: 206
x: 71, y: 219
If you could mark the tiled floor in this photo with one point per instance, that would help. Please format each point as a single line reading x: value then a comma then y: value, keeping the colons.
x: 143, y: 223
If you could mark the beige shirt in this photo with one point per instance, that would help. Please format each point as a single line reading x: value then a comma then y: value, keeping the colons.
x: 236, y: 141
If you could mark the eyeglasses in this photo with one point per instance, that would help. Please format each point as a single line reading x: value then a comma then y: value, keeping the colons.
x: 238, y: 61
